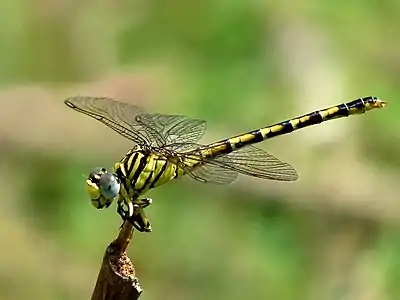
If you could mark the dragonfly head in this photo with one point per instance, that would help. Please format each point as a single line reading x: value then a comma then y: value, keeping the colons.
x: 102, y: 187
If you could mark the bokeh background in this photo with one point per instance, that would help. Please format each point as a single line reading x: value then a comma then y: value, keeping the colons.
x: 239, y: 65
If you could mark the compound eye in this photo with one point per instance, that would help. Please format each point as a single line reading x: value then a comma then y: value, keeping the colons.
x: 109, y: 186
x: 97, y: 171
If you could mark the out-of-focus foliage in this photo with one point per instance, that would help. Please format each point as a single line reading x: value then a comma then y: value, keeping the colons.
x: 239, y: 65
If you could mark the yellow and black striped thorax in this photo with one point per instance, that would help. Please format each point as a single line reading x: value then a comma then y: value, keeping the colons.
x: 227, y: 146
x: 143, y: 168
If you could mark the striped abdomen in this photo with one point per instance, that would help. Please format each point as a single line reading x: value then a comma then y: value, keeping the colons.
x: 140, y: 171
x: 358, y: 106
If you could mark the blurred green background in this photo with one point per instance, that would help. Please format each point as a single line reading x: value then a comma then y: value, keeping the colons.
x: 239, y: 65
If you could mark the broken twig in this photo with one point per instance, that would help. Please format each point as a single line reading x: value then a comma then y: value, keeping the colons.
x: 117, y: 279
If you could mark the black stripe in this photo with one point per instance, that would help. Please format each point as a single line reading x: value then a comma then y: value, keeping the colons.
x: 258, y: 137
x: 313, y: 118
x: 142, y: 165
x: 367, y: 99
x: 343, y: 111
x: 129, y: 168
x: 214, y: 150
x: 163, y: 168
x: 227, y: 149
x: 146, y: 182
x: 176, y: 172
x: 238, y: 145
x: 287, y: 128
x: 119, y: 173
x: 359, y: 103
x: 121, y: 177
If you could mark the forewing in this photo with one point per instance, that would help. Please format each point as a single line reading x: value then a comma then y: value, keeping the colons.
x: 175, y: 132
x: 119, y: 116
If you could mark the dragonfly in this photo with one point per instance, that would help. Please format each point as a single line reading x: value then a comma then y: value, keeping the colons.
x: 165, y: 147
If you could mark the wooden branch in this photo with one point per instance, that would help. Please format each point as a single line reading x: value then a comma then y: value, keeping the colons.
x: 117, y: 279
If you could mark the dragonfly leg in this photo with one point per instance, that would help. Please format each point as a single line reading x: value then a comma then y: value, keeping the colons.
x: 125, y: 209
x: 144, y: 202
x: 134, y: 213
x: 139, y: 220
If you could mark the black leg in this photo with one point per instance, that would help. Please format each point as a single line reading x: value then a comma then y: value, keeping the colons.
x: 134, y: 213
x: 140, y: 221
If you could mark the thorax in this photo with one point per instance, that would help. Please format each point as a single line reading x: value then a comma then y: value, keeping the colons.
x: 143, y: 168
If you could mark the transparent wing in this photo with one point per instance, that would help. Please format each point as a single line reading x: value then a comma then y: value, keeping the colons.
x: 256, y: 162
x: 119, y: 116
x: 175, y: 132
x: 250, y: 161
x: 133, y: 122
x: 209, y: 173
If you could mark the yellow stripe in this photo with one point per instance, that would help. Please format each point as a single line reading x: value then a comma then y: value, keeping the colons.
x: 295, y: 122
x: 129, y: 164
x: 241, y: 139
x: 135, y: 167
x: 122, y: 168
x: 145, y: 173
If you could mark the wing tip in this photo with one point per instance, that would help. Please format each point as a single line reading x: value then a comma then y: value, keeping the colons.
x: 73, y: 101
x: 69, y: 103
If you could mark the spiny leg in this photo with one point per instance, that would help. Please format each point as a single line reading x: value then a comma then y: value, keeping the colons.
x: 143, y: 203
x: 134, y: 213
x: 139, y: 220
x: 125, y: 209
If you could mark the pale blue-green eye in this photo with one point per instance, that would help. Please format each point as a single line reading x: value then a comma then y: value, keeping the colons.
x: 109, y: 186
